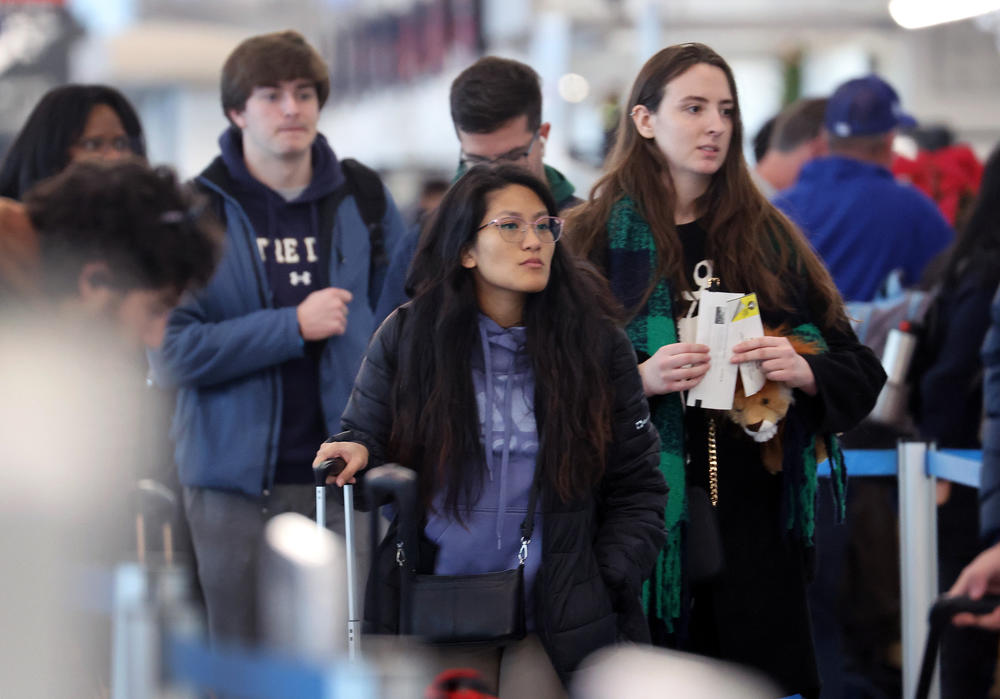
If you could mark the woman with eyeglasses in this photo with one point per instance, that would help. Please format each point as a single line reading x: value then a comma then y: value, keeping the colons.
x: 677, y: 212
x: 508, y: 358
x: 70, y: 123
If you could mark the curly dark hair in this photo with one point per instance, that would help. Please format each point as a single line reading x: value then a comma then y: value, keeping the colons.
x: 151, y: 232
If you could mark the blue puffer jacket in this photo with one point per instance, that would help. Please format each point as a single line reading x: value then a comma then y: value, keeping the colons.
x: 223, y: 348
x: 989, y: 487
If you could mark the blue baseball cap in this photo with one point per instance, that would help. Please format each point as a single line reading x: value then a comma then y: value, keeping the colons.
x: 865, y: 106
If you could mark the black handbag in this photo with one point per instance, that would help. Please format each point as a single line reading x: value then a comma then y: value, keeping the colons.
x: 475, y: 609
x: 704, y: 540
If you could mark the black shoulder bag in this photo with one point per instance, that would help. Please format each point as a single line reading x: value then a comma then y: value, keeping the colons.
x: 479, y: 609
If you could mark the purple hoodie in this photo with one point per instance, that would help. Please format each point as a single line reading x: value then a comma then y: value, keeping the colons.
x: 490, y: 539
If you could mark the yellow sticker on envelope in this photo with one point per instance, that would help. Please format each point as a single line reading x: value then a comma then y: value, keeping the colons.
x: 747, y: 308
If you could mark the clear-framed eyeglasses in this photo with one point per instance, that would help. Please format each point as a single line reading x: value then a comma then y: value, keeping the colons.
x: 510, y: 157
x: 513, y: 229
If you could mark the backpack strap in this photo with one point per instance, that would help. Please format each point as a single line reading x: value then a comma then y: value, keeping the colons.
x: 366, y: 187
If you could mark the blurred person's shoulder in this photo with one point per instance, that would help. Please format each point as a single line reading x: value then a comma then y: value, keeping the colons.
x: 73, y: 399
x: 18, y: 249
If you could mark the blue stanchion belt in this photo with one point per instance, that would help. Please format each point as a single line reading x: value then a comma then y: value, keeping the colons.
x: 865, y: 462
x: 958, y: 465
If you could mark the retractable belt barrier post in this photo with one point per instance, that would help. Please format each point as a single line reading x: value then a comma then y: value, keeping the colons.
x: 918, y: 466
x: 918, y: 577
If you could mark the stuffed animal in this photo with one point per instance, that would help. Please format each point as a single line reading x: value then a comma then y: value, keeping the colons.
x: 761, y: 414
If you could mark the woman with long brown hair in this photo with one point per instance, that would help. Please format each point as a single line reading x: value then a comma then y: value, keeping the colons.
x: 677, y: 212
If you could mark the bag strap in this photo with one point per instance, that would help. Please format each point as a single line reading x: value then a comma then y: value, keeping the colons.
x: 528, y: 523
x: 362, y: 184
x: 366, y: 187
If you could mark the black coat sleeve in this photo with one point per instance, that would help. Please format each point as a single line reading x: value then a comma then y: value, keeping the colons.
x: 989, y: 486
x: 950, y: 395
x: 848, y: 379
x: 848, y: 375
x: 633, y: 493
x: 367, y: 417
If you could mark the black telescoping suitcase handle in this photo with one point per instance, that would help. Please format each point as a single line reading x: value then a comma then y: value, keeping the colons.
x: 943, y: 609
x: 326, y: 468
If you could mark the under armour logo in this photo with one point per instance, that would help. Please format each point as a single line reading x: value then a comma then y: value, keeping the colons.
x: 301, y: 278
x: 639, y: 424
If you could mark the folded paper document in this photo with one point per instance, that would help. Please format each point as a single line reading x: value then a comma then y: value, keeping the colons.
x: 725, y: 319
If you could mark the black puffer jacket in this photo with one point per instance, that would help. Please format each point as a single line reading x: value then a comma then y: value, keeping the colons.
x: 595, y: 552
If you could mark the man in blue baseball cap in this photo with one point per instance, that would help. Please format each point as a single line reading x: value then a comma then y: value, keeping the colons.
x: 863, y: 223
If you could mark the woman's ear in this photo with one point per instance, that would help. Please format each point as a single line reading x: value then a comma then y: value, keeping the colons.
x: 642, y: 119
x: 468, y: 258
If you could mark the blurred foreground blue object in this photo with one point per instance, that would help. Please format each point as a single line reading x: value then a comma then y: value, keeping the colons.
x: 257, y: 675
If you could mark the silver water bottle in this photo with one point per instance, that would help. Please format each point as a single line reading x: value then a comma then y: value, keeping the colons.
x: 891, y: 407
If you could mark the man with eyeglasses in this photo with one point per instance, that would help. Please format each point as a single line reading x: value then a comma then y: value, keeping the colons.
x: 496, y: 109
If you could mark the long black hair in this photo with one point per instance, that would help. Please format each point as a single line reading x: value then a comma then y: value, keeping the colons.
x: 976, y: 253
x: 435, y: 418
x: 41, y: 149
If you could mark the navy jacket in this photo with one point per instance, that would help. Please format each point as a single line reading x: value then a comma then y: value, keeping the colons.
x: 989, y: 487
x: 224, y: 346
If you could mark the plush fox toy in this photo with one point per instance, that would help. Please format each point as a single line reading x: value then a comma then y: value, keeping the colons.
x: 760, y: 415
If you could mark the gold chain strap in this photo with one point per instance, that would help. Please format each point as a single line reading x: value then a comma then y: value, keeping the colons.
x: 713, y: 464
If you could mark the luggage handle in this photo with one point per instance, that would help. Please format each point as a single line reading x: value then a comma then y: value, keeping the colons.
x: 321, y: 472
x: 943, y: 609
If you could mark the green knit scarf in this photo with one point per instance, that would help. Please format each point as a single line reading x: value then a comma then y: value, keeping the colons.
x: 632, y: 257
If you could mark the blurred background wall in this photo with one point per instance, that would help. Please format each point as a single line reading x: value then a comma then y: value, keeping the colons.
x: 392, y: 62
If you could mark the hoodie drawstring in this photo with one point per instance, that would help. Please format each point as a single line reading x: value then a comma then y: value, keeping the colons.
x: 488, y: 431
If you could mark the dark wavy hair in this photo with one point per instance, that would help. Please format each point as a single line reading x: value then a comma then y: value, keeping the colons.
x: 41, y: 149
x: 754, y: 246
x: 976, y: 252
x: 151, y: 232
x: 435, y: 417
